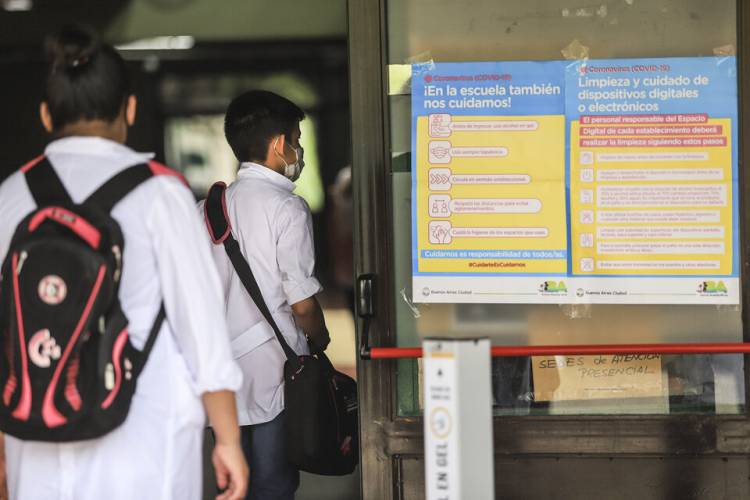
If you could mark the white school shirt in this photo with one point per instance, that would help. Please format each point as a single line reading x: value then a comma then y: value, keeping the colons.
x: 156, y: 452
x: 273, y: 227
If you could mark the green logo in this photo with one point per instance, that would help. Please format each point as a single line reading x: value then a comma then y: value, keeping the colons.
x: 553, y: 287
x: 712, y: 287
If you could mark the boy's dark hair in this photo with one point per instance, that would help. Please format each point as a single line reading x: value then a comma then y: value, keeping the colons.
x: 254, y: 118
x: 86, y: 79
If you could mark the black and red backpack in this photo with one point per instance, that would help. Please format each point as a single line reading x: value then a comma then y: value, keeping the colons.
x: 68, y: 370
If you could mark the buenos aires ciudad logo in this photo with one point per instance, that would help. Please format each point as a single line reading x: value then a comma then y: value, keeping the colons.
x: 553, y: 288
x: 712, y: 288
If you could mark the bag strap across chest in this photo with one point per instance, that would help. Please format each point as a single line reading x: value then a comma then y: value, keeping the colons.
x: 220, y: 229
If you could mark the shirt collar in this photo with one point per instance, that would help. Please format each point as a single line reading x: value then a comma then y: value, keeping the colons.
x: 97, y: 146
x: 256, y: 170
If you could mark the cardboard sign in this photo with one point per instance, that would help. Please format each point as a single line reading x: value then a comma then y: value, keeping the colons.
x: 575, y: 378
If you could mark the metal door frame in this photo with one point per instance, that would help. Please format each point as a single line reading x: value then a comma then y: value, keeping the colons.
x: 386, y: 438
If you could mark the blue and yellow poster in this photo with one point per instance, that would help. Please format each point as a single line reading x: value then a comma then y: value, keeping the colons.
x: 606, y: 181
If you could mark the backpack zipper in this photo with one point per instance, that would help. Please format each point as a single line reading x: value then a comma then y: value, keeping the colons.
x: 21, y: 259
x: 118, y: 262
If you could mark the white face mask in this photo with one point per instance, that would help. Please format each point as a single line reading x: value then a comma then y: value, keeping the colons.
x: 292, y: 171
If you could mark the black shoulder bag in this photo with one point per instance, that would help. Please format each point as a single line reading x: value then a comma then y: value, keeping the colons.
x: 321, y: 403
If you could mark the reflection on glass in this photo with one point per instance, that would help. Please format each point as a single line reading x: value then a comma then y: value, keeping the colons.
x: 194, y: 132
x: 196, y: 146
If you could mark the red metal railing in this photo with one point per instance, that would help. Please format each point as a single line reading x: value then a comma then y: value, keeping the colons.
x: 366, y: 310
x: 570, y: 350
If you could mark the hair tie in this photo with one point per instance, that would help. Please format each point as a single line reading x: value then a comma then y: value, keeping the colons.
x: 81, y: 61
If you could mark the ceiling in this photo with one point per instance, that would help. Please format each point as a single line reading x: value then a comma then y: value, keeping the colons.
x: 206, y: 20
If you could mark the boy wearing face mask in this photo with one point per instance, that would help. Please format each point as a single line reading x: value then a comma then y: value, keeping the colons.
x: 274, y: 229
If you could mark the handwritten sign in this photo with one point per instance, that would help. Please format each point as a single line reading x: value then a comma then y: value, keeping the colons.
x: 571, y: 378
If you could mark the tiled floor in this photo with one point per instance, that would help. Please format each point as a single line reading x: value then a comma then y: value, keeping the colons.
x: 311, y: 487
x: 342, y: 352
x: 328, y: 488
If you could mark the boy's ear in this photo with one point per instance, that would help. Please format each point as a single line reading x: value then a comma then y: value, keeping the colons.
x: 281, y: 144
x: 275, y: 148
x: 45, y: 117
x: 131, y: 106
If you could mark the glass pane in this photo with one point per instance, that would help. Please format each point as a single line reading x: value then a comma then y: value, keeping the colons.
x: 194, y: 140
x: 487, y: 30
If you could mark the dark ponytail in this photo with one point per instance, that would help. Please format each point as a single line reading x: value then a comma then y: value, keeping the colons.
x: 86, y: 79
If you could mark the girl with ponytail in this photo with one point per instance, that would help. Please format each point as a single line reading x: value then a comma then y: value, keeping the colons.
x: 155, y: 453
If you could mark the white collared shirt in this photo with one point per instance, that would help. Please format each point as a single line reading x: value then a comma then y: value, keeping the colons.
x: 273, y: 227
x: 156, y: 453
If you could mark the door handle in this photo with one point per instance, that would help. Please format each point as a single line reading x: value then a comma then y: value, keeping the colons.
x: 366, y: 310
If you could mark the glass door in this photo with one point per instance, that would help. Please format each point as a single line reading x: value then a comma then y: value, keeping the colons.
x: 547, y: 405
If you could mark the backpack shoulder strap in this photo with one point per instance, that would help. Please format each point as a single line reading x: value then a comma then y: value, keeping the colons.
x: 118, y: 187
x: 105, y: 198
x: 140, y: 362
x: 220, y: 230
x: 44, y: 183
x: 159, y: 169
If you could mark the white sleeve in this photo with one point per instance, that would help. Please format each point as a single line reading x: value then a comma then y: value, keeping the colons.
x: 191, y: 288
x: 15, y: 204
x: 295, y: 251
